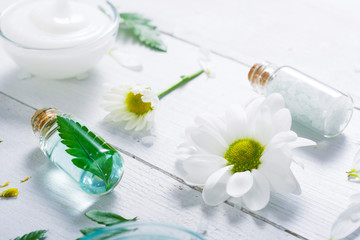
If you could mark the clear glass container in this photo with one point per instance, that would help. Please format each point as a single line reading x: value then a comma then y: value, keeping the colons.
x: 312, y: 103
x: 143, y: 231
x: 62, y: 62
x: 104, y: 166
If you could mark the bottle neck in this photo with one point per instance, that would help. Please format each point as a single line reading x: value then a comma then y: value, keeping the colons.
x: 42, y: 121
x: 260, y: 75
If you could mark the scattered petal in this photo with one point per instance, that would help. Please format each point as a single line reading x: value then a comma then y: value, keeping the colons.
x: 4, y: 185
x: 11, y: 192
x: 25, y: 179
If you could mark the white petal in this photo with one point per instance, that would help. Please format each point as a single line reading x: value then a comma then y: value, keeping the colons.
x: 141, y: 124
x: 281, y: 180
x: 263, y: 128
x: 280, y: 139
x: 239, y: 184
x: 276, y: 167
x: 211, y: 123
x: 282, y: 120
x: 275, y: 102
x: 347, y: 222
x: 275, y: 158
x: 236, y: 122
x: 200, y: 167
x: 259, y: 195
x: 253, y: 107
x: 130, y: 124
x: 208, y: 141
x: 214, y: 191
x: 300, y: 142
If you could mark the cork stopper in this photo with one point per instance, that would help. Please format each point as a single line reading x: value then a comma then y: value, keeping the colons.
x: 258, y: 74
x: 41, y: 117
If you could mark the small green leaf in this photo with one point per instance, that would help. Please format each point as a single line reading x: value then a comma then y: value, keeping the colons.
x: 143, y: 30
x: 36, y: 235
x: 89, y: 230
x: 91, y: 152
x: 106, y: 218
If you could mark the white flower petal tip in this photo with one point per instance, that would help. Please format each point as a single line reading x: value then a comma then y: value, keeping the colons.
x: 133, y: 106
x: 256, y: 154
x: 346, y: 223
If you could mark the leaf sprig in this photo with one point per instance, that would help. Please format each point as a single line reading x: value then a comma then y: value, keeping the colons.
x: 145, y: 32
x: 35, y: 235
x: 107, y: 219
x: 87, y: 148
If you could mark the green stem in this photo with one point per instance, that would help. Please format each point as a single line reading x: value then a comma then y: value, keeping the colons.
x: 183, y: 81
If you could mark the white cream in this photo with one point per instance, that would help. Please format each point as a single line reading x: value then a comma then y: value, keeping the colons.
x: 58, y: 38
x: 49, y: 24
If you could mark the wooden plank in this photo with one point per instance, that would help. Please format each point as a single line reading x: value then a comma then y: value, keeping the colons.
x: 319, y: 38
x: 312, y: 213
x: 325, y: 189
x: 51, y: 200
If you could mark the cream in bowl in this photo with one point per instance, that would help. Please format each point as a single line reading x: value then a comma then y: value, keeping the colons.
x: 58, y: 38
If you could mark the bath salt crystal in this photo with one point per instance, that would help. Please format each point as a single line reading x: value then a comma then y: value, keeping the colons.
x: 313, y: 104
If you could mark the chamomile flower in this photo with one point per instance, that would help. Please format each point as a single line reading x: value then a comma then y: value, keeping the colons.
x: 132, y: 105
x: 244, y: 155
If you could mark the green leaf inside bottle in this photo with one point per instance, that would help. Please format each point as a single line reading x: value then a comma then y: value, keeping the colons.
x: 91, y: 153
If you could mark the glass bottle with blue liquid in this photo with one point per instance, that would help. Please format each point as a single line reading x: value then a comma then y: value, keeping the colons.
x: 83, y: 155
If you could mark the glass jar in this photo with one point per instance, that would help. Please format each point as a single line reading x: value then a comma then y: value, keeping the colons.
x: 313, y: 104
x: 84, y: 156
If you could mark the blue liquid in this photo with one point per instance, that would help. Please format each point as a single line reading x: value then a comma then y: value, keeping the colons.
x: 90, y: 183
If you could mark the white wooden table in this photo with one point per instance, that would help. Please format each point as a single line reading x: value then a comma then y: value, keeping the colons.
x: 321, y: 38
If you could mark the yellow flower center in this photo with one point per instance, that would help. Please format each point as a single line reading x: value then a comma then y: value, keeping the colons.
x: 244, y: 154
x: 136, y: 105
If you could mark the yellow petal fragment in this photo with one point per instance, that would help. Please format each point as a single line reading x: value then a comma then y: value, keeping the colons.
x: 7, y: 183
x: 24, y: 180
x: 11, y: 192
x: 352, y: 170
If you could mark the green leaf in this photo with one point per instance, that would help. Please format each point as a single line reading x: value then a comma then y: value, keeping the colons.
x: 36, y: 235
x: 91, y: 152
x: 89, y: 230
x: 108, y: 234
x: 106, y: 218
x: 143, y: 30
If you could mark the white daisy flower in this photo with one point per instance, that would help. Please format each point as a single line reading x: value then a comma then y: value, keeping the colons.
x: 133, y: 105
x: 244, y: 155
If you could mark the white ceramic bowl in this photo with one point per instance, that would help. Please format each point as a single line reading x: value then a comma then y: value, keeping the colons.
x: 66, y: 62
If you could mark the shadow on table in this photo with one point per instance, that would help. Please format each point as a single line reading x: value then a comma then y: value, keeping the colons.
x: 56, y: 186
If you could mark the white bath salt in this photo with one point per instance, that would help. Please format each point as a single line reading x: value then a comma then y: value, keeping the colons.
x: 311, y: 103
